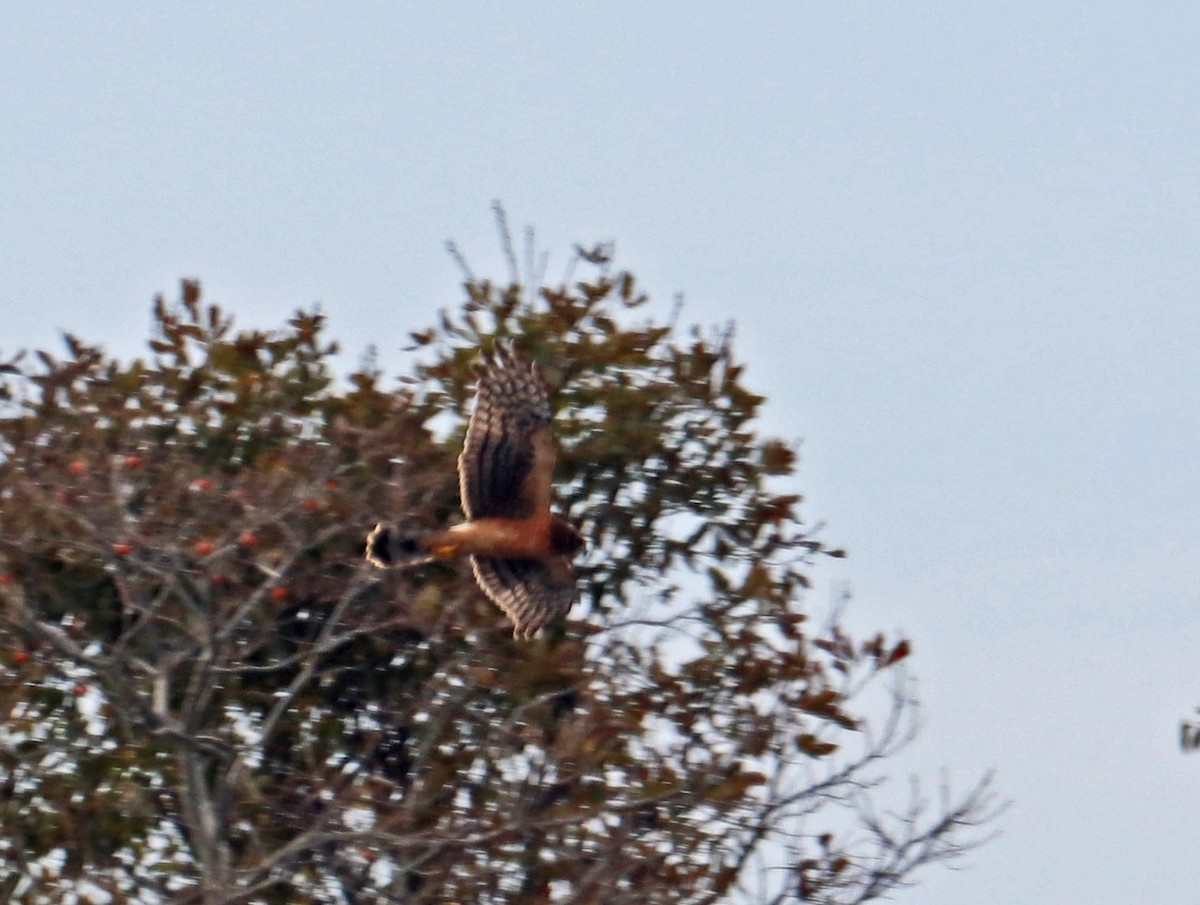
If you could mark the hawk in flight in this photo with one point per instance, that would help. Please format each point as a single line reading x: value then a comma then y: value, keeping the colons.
x: 519, y: 552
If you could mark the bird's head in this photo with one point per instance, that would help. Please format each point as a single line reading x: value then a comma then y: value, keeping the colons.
x: 565, y: 540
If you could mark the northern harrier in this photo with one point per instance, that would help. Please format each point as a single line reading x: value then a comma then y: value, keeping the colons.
x: 520, y: 553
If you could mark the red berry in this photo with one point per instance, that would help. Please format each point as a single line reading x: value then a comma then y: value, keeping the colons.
x: 20, y: 656
x: 248, y: 539
x: 310, y: 505
x: 331, y: 484
x: 204, y: 548
x: 122, y: 549
x: 219, y: 580
x: 202, y: 484
x: 133, y: 461
x: 80, y: 688
x: 77, y: 467
x: 278, y: 593
x: 6, y: 578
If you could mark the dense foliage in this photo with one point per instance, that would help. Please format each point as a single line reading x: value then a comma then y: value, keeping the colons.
x: 207, y: 696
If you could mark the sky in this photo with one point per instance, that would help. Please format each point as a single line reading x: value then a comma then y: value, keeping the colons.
x: 958, y: 239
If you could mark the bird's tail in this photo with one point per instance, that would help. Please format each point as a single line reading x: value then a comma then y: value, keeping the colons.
x: 388, y: 548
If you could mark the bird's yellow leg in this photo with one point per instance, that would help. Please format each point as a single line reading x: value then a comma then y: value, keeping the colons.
x: 444, y: 545
x: 444, y: 549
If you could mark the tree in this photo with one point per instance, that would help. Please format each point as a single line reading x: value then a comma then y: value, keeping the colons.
x: 208, y: 697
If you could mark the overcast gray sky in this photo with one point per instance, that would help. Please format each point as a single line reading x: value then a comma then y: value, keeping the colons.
x: 960, y: 241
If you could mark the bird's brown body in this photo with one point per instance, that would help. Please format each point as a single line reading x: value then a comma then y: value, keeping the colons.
x: 510, y: 538
x: 520, y: 553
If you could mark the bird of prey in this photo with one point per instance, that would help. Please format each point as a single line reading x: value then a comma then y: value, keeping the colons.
x: 519, y: 552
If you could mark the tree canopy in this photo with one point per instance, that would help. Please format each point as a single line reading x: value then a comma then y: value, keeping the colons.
x: 209, y: 697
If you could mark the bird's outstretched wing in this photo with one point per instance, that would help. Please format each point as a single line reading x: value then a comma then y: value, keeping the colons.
x: 533, y: 592
x: 508, y: 456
